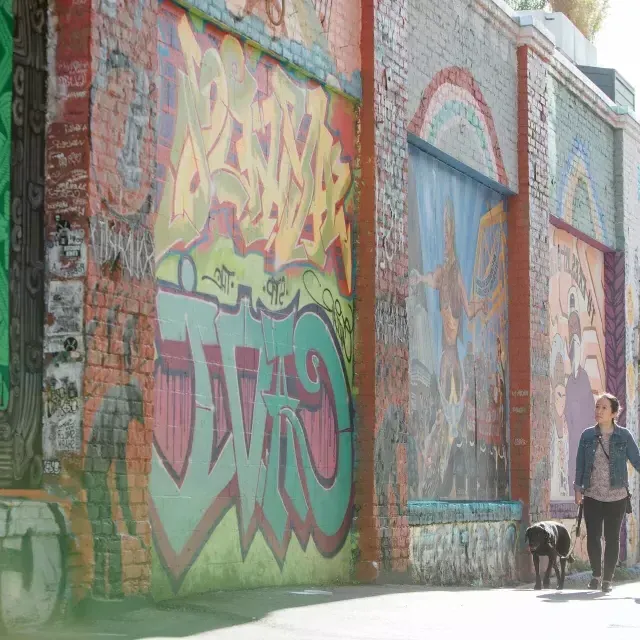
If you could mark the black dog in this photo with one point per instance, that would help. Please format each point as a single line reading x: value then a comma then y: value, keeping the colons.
x: 553, y: 540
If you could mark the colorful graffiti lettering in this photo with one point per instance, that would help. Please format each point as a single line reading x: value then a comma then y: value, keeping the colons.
x: 576, y: 304
x: 457, y: 311
x: 253, y: 434
x: 259, y: 162
x: 270, y: 429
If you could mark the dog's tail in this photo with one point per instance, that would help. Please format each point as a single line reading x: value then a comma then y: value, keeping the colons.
x: 570, y: 559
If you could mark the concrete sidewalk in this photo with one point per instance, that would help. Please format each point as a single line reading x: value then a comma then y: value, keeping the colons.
x: 372, y: 613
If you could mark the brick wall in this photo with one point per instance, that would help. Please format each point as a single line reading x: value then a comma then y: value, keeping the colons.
x: 581, y: 150
x: 252, y: 475
x: 528, y: 281
x: 99, y: 331
x: 322, y: 37
x: 463, y: 64
x: 627, y: 175
x: 111, y: 257
x: 382, y: 383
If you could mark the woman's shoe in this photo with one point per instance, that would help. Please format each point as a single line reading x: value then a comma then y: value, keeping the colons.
x: 606, y: 586
x: 594, y: 583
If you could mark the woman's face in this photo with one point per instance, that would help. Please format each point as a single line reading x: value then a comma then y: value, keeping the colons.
x: 604, y: 414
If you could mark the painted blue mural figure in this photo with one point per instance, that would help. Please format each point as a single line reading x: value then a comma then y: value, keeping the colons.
x: 447, y: 280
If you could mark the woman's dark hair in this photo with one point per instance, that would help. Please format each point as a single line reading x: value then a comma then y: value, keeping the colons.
x: 613, y: 401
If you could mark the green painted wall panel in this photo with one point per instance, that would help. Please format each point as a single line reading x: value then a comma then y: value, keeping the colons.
x: 6, y: 56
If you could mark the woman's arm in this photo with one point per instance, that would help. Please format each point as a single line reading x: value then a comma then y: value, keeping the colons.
x: 578, y: 485
x: 633, y: 454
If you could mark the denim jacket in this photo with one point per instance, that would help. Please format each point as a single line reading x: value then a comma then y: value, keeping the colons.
x: 622, y: 448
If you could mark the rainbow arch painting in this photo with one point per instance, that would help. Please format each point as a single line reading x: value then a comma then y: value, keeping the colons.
x: 454, y: 96
x: 577, y: 172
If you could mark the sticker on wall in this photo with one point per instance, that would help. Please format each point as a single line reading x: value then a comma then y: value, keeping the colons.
x: 62, y: 409
x: 66, y: 250
x: 64, y: 331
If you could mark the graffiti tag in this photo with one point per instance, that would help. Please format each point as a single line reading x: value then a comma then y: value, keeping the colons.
x: 342, y: 317
x: 222, y: 278
x: 276, y: 289
x: 278, y: 429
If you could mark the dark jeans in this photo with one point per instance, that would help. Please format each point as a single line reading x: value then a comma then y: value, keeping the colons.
x: 609, y: 514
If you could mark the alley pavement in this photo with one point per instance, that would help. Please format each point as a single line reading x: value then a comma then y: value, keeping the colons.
x: 376, y: 613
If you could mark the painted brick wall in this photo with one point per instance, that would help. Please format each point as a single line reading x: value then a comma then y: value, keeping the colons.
x: 120, y: 297
x: 627, y: 167
x: 253, y: 464
x: 463, y: 70
x: 321, y: 37
x: 528, y: 315
x: 581, y: 152
x: 99, y: 339
x: 382, y: 381
x: 461, y: 543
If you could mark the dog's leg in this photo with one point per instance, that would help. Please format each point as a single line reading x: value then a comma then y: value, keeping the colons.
x: 563, y: 568
x: 554, y: 559
x: 547, y: 574
x: 536, y: 564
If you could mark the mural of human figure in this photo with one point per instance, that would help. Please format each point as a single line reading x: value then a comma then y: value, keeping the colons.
x: 501, y: 403
x: 560, y: 481
x: 580, y: 405
x: 471, y: 463
x: 453, y: 302
x: 107, y: 447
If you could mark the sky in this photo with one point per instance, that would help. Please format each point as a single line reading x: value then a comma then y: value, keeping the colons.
x: 618, y: 42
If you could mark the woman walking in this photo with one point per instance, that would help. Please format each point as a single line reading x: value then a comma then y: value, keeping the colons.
x: 601, y: 485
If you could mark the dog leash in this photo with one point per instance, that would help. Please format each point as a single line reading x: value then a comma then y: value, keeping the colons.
x: 575, y: 540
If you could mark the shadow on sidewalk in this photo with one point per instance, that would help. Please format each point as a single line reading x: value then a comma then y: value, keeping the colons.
x: 210, y: 612
x: 588, y: 596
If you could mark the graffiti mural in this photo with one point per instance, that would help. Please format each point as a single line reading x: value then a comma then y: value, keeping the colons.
x: 457, y: 310
x: 253, y: 435
x: 578, y: 201
x: 262, y: 156
x: 328, y: 28
x: 21, y: 420
x: 116, y: 301
x: 452, y: 107
x: 576, y: 305
x: 466, y: 553
x: 34, y: 551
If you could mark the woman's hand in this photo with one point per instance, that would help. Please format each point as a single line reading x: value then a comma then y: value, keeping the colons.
x: 578, y: 497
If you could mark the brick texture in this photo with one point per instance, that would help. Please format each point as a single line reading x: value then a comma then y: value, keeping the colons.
x: 480, y: 39
x: 400, y: 56
x: 529, y: 348
x: 321, y: 37
x: 382, y: 381
x: 627, y: 181
x: 101, y: 303
x: 581, y: 155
